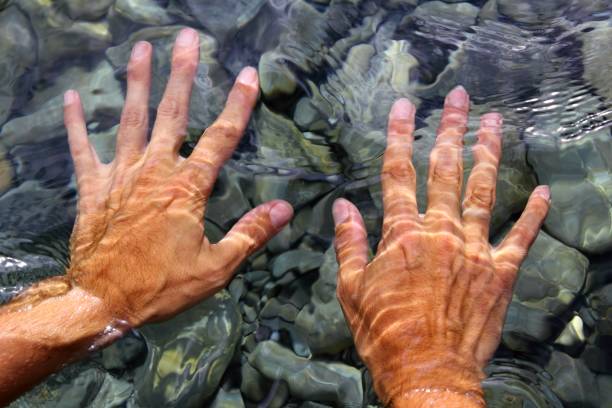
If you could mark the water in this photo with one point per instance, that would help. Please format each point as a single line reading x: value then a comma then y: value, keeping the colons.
x: 329, y: 72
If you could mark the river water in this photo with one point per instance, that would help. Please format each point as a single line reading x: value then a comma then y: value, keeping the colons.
x: 329, y: 70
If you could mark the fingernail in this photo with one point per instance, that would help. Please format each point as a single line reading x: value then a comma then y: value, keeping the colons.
x: 187, y: 37
x: 340, y: 211
x: 458, y: 97
x: 402, y: 109
x: 492, y: 119
x: 280, y: 214
x: 248, y: 76
x: 70, y: 97
x: 140, y: 49
x: 542, y: 191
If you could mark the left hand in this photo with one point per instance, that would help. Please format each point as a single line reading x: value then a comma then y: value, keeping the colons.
x: 138, y: 243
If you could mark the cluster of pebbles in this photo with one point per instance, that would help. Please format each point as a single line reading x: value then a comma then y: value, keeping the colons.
x: 329, y: 70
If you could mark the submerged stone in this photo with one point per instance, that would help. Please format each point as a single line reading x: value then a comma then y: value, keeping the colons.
x: 309, y: 380
x: 597, y: 54
x: 78, y: 386
x: 59, y: 37
x: 188, y: 354
x: 572, y: 381
x: 322, y: 319
x: 101, y: 96
x: 17, y: 42
x: 548, y: 282
x: 210, y: 86
x: 579, y: 176
x: 86, y: 9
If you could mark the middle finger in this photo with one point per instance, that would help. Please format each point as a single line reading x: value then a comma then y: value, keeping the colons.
x: 172, y: 114
x: 446, y: 160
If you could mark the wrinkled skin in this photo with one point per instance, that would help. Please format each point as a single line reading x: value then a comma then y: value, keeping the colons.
x: 138, y: 242
x: 138, y: 250
x: 427, y: 312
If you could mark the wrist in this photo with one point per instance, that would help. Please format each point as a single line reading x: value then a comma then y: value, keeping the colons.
x: 438, y: 397
x: 429, y: 376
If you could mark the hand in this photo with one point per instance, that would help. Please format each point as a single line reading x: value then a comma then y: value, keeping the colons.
x: 427, y: 312
x: 138, y: 242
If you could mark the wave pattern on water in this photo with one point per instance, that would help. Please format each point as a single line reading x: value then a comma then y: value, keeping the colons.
x: 329, y: 70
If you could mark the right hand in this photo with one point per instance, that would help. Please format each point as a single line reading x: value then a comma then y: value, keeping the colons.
x: 427, y: 312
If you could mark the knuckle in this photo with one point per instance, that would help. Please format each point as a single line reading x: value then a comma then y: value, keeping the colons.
x: 449, y: 243
x: 481, y: 196
x: 170, y: 108
x: 224, y: 128
x: 132, y: 118
x: 398, y: 169
x: 135, y: 73
x: 184, y: 65
x: 446, y: 165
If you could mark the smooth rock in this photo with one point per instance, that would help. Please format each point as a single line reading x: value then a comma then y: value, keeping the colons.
x: 77, y: 386
x: 188, y: 355
x: 100, y: 93
x: 18, y: 49
x: 296, y: 260
x: 548, y: 282
x: 322, y: 318
x: 580, y: 178
x: 572, y: 382
x: 309, y: 380
x: 210, y: 85
x: 86, y: 9
x: 228, y: 399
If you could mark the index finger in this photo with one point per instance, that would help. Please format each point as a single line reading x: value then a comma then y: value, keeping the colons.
x: 221, y: 138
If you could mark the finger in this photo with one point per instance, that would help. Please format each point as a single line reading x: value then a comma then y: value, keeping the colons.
x: 398, y: 174
x: 480, y: 191
x: 351, y: 249
x: 446, y: 161
x: 132, y: 136
x: 511, y: 252
x: 221, y: 138
x: 173, y: 111
x: 86, y: 161
x: 253, y: 231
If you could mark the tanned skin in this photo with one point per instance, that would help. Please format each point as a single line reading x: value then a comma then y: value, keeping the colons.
x: 138, y: 250
x: 426, y: 313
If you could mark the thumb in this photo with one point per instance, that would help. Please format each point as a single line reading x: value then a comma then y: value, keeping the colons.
x: 351, y: 249
x: 253, y: 231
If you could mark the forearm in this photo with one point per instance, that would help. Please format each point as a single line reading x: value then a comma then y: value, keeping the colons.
x: 45, y: 328
x: 438, y: 397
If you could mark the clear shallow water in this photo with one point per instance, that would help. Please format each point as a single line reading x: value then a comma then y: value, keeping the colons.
x: 329, y: 71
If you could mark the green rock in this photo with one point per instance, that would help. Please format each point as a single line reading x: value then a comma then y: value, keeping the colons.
x: 86, y: 10
x: 578, y: 173
x: 572, y: 382
x: 100, y: 93
x: 210, y: 86
x: 188, y: 355
x: 548, y: 283
x: 126, y: 16
x: 514, y: 383
x: 298, y: 260
x: 322, y: 318
x: 77, y: 386
x: 228, y: 399
x: 18, y: 50
x: 253, y: 385
x: 59, y: 37
x: 597, y: 51
x: 310, y: 380
x: 279, y: 142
